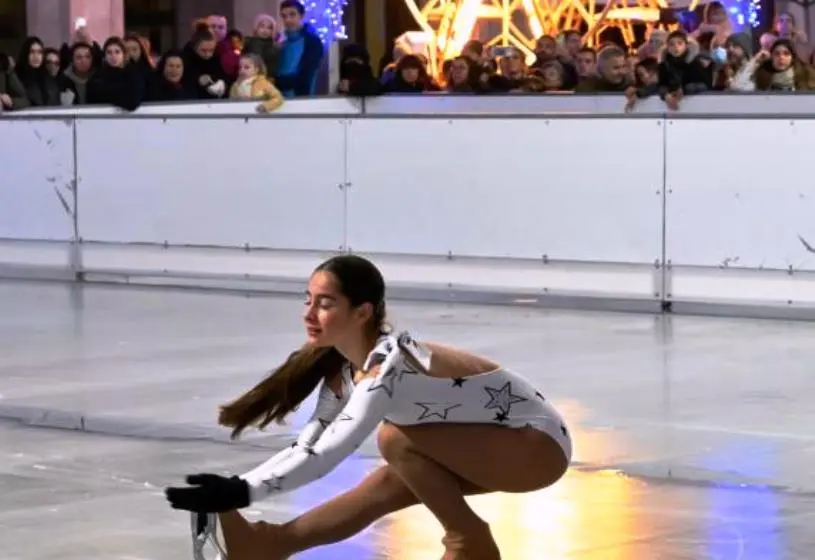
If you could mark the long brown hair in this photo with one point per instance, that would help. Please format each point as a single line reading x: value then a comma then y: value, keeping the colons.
x: 146, y: 48
x: 803, y: 74
x: 288, y: 385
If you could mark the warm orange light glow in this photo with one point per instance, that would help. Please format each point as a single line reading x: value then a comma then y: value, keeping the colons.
x: 639, y: 14
x: 552, y: 523
x: 453, y: 22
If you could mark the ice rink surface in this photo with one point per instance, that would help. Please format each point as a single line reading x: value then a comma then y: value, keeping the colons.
x: 694, y: 437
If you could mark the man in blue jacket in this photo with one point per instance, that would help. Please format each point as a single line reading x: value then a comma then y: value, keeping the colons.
x: 301, y: 54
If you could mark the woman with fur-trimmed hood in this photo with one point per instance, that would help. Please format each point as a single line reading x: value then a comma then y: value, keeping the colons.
x: 780, y: 69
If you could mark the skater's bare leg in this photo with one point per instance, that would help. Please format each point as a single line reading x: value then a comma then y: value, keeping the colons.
x: 490, y: 457
x: 381, y: 493
x: 508, y: 460
x: 421, y: 462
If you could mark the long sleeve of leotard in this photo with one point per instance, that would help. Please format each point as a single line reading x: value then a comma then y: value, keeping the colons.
x: 328, y: 406
x: 369, y: 403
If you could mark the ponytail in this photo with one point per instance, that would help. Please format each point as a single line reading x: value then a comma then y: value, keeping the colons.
x: 282, y: 391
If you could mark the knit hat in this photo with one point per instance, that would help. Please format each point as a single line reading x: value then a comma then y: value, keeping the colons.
x: 741, y: 40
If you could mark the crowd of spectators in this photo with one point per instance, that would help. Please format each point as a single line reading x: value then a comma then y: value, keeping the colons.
x: 281, y: 59
x: 270, y: 64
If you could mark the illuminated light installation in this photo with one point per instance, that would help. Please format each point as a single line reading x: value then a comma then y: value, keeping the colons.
x: 452, y: 22
x: 325, y: 16
x: 744, y: 13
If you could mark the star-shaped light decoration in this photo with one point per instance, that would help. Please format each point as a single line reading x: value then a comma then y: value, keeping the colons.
x: 439, y: 410
x: 502, y: 399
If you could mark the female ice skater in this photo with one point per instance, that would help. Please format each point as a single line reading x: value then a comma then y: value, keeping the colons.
x: 452, y: 424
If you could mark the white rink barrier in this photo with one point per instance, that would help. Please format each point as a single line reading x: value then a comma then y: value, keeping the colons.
x: 645, y: 211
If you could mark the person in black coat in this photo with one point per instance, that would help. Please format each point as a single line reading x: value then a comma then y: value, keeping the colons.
x: 356, y: 75
x: 681, y: 72
x: 167, y: 83
x: 202, y: 67
x: 116, y: 83
x: 41, y: 87
x: 73, y: 82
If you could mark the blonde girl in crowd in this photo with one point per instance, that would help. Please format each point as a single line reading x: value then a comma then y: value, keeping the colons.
x: 253, y: 84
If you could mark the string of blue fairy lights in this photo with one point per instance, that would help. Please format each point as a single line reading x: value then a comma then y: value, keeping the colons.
x: 325, y: 16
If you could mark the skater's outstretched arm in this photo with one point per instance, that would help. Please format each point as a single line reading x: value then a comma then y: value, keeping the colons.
x: 369, y: 403
x: 328, y: 406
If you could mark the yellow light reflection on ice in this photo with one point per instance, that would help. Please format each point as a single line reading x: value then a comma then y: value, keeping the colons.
x: 551, y: 523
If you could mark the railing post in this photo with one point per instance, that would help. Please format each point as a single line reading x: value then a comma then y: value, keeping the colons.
x: 75, y: 257
x: 664, y: 292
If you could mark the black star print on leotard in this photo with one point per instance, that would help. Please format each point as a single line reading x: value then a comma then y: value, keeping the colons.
x: 386, y: 380
x: 502, y: 398
x: 459, y: 382
x: 438, y: 410
x: 274, y: 483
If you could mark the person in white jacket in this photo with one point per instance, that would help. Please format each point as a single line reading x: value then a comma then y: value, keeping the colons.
x: 778, y: 69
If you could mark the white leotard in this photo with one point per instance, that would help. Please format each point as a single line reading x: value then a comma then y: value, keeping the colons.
x: 403, y: 395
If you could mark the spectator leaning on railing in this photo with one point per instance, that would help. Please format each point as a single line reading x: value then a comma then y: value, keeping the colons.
x: 780, y: 69
x: 220, y: 63
x: 73, y: 82
x: 12, y: 92
x: 40, y: 86
x: 356, y: 75
x: 681, y: 71
x: 118, y: 82
x: 253, y: 84
x: 202, y: 67
x: 612, y: 73
x: 167, y: 83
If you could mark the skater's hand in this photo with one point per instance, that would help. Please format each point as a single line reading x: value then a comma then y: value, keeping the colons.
x: 209, y: 493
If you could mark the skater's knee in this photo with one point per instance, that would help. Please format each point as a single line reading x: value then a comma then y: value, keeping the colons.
x: 392, y: 441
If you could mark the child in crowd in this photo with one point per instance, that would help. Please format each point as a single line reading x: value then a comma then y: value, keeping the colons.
x: 253, y: 84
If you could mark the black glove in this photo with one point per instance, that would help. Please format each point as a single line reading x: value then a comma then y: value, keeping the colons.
x: 210, y: 493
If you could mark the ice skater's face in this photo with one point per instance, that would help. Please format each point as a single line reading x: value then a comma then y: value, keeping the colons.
x: 329, y: 317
